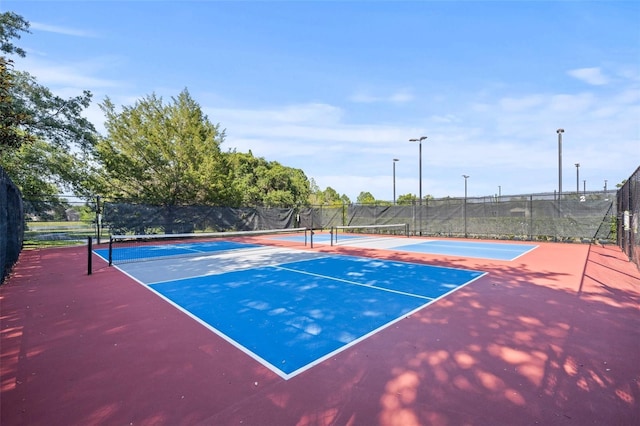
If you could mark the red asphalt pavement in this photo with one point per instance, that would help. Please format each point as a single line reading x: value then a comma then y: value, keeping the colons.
x: 552, y: 338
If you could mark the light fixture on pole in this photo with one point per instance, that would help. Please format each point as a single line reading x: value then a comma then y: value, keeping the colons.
x: 394, y: 180
x: 419, y: 140
x: 560, y: 132
x: 577, y: 178
x: 465, y: 204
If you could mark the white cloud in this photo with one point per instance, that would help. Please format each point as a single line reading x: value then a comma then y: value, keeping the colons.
x: 38, y: 26
x: 397, y: 97
x: 299, y: 114
x: 506, y: 141
x: 591, y: 76
x: 76, y: 74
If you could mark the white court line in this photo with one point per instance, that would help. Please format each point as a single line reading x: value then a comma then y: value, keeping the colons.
x: 157, y: 271
x: 354, y: 283
x: 272, y: 367
x: 371, y: 333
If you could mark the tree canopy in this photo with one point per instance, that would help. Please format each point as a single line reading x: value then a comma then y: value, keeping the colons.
x: 40, y: 129
x: 267, y: 183
x: 153, y: 152
x: 164, y: 154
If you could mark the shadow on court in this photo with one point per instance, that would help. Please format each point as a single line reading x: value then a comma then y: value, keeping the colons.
x: 551, y: 338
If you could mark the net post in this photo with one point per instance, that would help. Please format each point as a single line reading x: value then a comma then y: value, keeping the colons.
x: 110, y: 251
x: 331, y: 234
x: 305, y: 236
x: 89, y: 259
x: 312, y: 237
x: 406, y: 230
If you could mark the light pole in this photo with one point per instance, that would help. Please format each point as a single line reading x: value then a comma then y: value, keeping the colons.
x: 560, y: 132
x: 577, y: 178
x: 465, y: 204
x: 394, y: 180
x: 584, y: 187
x: 419, y: 140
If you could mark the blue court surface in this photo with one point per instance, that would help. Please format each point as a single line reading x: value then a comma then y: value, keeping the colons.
x: 291, y: 316
x: 495, y: 251
x: 462, y: 248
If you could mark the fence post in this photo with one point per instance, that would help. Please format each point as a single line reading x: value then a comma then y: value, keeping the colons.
x: 531, y: 217
x: 89, y: 257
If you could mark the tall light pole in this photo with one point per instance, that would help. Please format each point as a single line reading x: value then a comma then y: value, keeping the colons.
x: 465, y: 204
x: 560, y: 132
x: 394, y: 180
x: 577, y: 178
x: 419, y: 140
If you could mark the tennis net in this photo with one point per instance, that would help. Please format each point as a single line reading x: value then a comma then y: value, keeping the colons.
x: 137, y: 248
x: 369, y: 231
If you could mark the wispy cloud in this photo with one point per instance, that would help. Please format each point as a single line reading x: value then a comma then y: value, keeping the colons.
x: 593, y: 76
x: 39, y: 26
x: 399, y: 96
x: 77, y: 74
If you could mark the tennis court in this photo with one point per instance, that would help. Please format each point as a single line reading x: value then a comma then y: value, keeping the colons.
x: 466, y: 249
x: 266, y: 330
x: 287, y: 309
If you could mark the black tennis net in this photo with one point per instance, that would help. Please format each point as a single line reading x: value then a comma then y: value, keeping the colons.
x: 137, y: 248
x: 369, y: 231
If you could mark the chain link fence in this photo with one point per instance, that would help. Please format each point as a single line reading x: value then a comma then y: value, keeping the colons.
x: 582, y: 217
x: 58, y: 220
x: 628, y: 203
x: 11, y: 224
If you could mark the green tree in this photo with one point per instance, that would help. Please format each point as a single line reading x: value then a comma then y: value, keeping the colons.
x: 164, y: 154
x: 11, y: 25
x: 365, y: 198
x: 331, y: 196
x: 42, y: 169
x: 406, y: 199
x: 10, y: 118
x: 268, y: 183
x: 316, y: 195
x: 40, y: 129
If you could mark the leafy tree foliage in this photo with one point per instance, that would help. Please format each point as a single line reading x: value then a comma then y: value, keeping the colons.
x: 40, y: 129
x: 406, y: 199
x: 50, y: 117
x: 327, y: 197
x: 11, y: 25
x: 164, y: 154
x: 42, y: 169
x: 10, y: 119
x: 267, y: 183
x: 331, y: 196
x: 365, y: 198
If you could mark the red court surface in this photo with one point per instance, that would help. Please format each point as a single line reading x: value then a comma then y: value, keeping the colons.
x: 552, y: 338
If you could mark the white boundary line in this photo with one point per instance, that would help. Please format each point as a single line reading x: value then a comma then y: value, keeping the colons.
x: 354, y: 283
x: 278, y: 371
x: 377, y: 330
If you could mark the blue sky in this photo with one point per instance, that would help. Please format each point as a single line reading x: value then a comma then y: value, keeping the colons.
x: 338, y: 88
